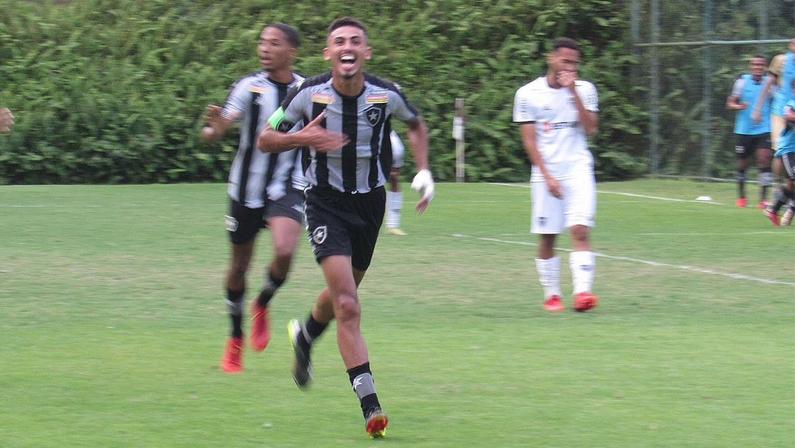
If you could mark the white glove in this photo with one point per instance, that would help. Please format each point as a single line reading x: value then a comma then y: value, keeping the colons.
x: 423, y: 183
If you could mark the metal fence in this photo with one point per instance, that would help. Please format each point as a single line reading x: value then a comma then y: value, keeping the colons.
x: 690, y: 53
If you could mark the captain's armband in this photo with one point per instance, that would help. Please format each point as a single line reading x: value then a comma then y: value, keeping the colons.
x: 277, y: 119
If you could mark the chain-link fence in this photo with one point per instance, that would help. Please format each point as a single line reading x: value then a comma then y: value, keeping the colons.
x: 690, y: 53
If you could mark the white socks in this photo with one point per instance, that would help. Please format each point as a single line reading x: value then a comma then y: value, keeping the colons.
x: 549, y: 275
x: 583, y: 265
x: 394, y: 203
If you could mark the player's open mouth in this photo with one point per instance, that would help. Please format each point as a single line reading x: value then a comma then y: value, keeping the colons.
x: 348, y: 59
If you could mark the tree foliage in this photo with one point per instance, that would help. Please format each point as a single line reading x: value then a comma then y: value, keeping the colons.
x: 112, y: 91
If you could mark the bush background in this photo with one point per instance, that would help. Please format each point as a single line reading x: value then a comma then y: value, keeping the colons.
x: 109, y: 91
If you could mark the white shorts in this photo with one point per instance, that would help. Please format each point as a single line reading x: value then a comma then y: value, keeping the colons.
x: 578, y: 206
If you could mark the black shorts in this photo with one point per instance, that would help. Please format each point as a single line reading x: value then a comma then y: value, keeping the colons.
x: 243, y: 223
x: 291, y: 205
x: 747, y: 144
x: 344, y: 224
x: 788, y: 160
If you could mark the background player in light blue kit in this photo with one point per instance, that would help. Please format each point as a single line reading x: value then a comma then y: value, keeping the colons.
x: 752, y: 136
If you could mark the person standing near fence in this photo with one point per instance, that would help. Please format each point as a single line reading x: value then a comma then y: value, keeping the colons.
x: 753, y: 137
x: 556, y: 113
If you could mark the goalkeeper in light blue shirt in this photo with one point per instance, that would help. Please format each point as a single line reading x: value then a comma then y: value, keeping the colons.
x: 786, y: 153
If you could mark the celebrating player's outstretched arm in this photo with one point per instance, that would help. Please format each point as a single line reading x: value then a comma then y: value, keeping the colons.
x: 312, y: 135
x: 217, y: 123
x: 423, y: 181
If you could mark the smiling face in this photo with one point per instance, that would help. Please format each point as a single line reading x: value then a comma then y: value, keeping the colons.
x: 346, y: 48
x: 757, y: 66
x: 274, y: 50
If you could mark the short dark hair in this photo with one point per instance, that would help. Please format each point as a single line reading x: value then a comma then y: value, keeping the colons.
x: 293, y: 38
x: 347, y: 21
x: 566, y: 42
x: 759, y: 56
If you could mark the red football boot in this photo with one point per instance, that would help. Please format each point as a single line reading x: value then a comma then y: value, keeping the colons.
x: 553, y: 304
x: 260, y: 328
x: 584, y: 301
x: 772, y: 216
x: 232, y: 362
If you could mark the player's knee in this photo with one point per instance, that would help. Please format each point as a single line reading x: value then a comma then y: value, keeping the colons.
x: 580, y: 233
x: 283, y: 251
x: 347, y: 308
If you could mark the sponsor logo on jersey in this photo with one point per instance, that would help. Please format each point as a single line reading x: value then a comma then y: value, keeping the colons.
x: 373, y: 115
x: 549, y: 126
x: 258, y: 89
x: 380, y: 98
x: 322, y: 98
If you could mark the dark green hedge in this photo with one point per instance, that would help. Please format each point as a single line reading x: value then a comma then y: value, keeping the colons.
x: 113, y: 90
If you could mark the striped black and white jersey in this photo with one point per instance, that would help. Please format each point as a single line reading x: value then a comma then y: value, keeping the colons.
x: 256, y: 176
x: 364, y: 163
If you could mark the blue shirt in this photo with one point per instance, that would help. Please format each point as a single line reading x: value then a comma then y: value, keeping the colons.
x: 786, y: 144
x: 747, y: 91
x: 784, y: 92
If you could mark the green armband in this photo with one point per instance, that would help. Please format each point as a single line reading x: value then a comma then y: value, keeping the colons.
x: 277, y: 118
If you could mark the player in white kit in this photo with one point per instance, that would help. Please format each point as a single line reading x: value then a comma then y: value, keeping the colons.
x: 556, y: 113
x: 394, y: 197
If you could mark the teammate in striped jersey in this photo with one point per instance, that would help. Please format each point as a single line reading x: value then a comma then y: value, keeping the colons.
x: 6, y: 120
x: 348, y: 114
x: 556, y: 113
x: 264, y: 189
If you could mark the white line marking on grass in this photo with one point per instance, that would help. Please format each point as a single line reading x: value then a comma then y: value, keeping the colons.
x: 46, y: 206
x: 632, y: 195
x: 680, y: 267
x: 761, y: 232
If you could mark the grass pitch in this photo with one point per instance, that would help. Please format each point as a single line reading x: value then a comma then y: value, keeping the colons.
x: 113, y: 324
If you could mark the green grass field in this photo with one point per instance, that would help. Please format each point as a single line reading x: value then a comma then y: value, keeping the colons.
x: 113, y: 324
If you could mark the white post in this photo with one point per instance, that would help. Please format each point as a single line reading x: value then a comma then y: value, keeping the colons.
x: 458, y: 136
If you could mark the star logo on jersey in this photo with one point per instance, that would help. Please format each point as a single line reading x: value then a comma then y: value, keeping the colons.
x: 319, y: 235
x: 373, y: 115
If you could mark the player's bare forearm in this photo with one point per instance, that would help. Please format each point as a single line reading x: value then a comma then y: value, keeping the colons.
x: 270, y: 140
x: 765, y: 92
x: 528, y: 131
x: 733, y: 103
x: 418, y: 139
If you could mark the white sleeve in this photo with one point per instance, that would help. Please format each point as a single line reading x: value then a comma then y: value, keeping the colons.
x: 589, y: 97
x: 238, y: 101
x: 737, y: 88
x: 398, y: 150
x: 523, y: 110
